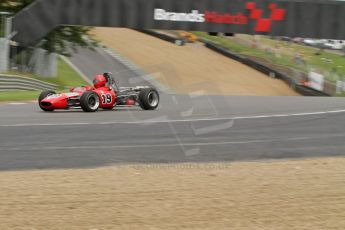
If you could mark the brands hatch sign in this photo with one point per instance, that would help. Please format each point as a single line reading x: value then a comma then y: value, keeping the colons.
x: 293, y: 18
x: 251, y: 12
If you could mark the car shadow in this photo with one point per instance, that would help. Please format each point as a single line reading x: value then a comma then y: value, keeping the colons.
x: 99, y: 111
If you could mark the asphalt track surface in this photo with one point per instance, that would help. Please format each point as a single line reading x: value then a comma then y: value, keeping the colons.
x: 196, y: 128
x: 91, y: 63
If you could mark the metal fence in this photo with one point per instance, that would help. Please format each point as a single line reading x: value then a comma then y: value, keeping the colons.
x: 2, y: 26
x: 33, y: 60
x: 22, y: 59
x: 14, y: 57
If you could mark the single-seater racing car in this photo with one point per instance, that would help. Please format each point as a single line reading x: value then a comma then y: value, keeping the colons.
x: 104, y: 94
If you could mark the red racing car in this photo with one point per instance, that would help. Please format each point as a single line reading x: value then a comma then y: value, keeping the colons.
x: 104, y: 94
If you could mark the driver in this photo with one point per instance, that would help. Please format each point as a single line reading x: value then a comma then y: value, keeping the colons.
x: 99, y: 81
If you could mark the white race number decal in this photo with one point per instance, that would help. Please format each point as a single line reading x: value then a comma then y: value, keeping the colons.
x: 107, y: 99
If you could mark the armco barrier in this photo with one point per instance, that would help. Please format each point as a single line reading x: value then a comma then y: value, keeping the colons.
x: 306, y: 91
x: 164, y: 37
x: 13, y: 82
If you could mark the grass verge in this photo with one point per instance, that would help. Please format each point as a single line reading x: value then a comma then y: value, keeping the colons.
x: 19, y: 95
x: 331, y: 64
x: 66, y: 77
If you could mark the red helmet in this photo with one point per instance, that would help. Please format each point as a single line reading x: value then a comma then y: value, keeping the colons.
x: 99, y: 81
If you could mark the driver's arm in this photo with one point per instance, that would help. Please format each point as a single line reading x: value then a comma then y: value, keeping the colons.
x: 111, y: 82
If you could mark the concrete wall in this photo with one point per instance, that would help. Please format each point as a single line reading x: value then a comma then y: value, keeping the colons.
x: 45, y: 63
x: 4, y: 55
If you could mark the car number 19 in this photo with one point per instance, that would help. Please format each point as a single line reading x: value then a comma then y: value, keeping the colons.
x: 107, y: 99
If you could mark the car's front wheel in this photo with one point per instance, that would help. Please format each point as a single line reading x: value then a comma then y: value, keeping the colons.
x: 89, y: 101
x: 42, y: 96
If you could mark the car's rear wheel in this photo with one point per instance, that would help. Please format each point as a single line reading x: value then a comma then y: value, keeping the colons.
x: 89, y: 101
x: 148, y: 99
x: 42, y: 96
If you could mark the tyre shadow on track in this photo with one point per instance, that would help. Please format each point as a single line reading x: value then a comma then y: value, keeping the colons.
x: 99, y: 111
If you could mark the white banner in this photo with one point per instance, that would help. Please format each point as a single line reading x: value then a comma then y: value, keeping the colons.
x: 340, y: 86
x: 316, y: 81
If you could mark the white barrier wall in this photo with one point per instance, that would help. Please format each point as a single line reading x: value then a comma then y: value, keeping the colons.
x: 316, y: 81
x: 45, y: 63
x: 4, y: 55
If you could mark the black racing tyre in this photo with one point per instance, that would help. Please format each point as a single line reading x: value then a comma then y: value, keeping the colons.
x: 43, y: 95
x: 148, y: 99
x: 89, y: 101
